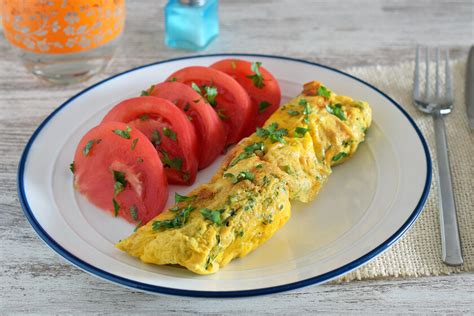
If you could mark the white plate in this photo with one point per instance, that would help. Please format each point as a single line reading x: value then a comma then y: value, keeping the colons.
x: 367, y: 204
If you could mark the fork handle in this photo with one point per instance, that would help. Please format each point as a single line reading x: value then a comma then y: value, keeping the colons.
x: 450, y: 243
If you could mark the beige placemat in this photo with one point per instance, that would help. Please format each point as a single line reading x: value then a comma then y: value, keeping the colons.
x: 417, y: 253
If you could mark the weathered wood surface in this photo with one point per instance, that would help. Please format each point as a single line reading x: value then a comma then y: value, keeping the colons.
x: 338, y: 33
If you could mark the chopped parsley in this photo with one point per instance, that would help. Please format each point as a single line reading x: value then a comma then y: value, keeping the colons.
x: 273, y: 133
x: 262, y: 106
x: 182, y: 198
x: 257, y: 77
x: 212, y: 215
x: 174, y: 163
x: 259, y: 166
x: 144, y: 117
x: 300, y: 131
x: 116, y: 207
x: 123, y: 133
x: 336, y: 110
x: 306, y: 109
x: 243, y: 175
x: 134, y: 143
x: 340, y: 156
x: 173, y: 79
x: 248, y: 151
x: 71, y: 167
x: 147, y: 92
x: 179, y: 220
x: 293, y: 112
x: 186, y: 107
x: 88, y: 146
x: 120, y: 182
x: 139, y: 224
x: 195, y: 87
x: 185, y: 176
x: 220, y: 113
x: 155, y: 138
x: 323, y: 92
x: 211, y: 94
x: 168, y: 132
x: 134, y: 212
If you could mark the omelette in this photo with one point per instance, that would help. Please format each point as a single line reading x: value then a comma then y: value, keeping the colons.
x: 248, y: 199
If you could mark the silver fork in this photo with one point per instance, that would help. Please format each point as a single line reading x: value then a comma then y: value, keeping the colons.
x: 438, y: 105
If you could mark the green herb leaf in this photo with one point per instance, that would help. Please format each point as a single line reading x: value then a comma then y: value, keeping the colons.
x: 175, y: 163
x: 120, y: 182
x: 71, y: 167
x: 293, y: 112
x: 303, y: 102
x: 186, y: 107
x: 273, y: 133
x: 244, y: 175
x: 323, y: 92
x: 262, y: 106
x: 155, y: 138
x: 183, y: 198
x: 248, y: 151
x: 212, y: 215
x: 196, y: 87
x: 222, y: 116
x: 116, y: 207
x: 88, y: 146
x: 123, y: 133
x: 259, y: 166
x: 179, y: 220
x: 340, y: 156
x: 134, y: 143
x: 185, y: 176
x: 257, y: 78
x: 336, y: 110
x: 173, y: 79
x: 144, y: 117
x: 134, y: 212
x: 139, y: 224
x: 306, y: 110
x: 148, y: 91
x: 211, y: 94
x: 300, y: 131
x: 168, y: 132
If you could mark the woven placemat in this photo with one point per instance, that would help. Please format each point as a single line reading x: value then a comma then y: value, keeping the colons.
x: 418, y: 252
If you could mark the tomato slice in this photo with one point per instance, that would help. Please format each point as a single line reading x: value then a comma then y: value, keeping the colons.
x: 117, y: 169
x: 231, y: 102
x: 210, y: 131
x: 168, y: 128
x: 260, y: 84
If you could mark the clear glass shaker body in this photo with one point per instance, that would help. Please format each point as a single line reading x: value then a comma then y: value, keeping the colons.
x: 64, y: 41
x: 191, y: 24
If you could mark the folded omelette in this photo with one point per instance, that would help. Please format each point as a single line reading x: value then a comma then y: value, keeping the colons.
x: 248, y: 199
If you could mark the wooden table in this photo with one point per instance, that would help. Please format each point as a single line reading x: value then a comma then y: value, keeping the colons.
x: 33, y: 279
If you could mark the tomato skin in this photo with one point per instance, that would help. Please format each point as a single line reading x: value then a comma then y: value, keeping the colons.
x: 154, y: 115
x: 241, y: 70
x: 210, y: 130
x: 146, y: 187
x: 232, y: 100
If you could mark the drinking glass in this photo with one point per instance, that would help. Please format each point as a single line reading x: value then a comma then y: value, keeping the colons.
x: 63, y: 41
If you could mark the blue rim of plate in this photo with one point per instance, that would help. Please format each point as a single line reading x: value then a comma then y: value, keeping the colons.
x: 260, y: 291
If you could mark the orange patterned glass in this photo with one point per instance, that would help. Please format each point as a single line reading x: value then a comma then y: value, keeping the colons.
x: 62, y: 26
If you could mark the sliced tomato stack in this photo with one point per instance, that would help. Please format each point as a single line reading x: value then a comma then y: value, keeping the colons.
x: 259, y: 83
x: 230, y: 101
x: 124, y: 165
x: 117, y: 169
x: 210, y: 131
x: 168, y: 129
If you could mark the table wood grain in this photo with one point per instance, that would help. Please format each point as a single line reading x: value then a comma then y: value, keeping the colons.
x: 33, y: 279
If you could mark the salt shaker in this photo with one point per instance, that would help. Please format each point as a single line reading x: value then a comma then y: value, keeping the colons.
x: 191, y: 24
